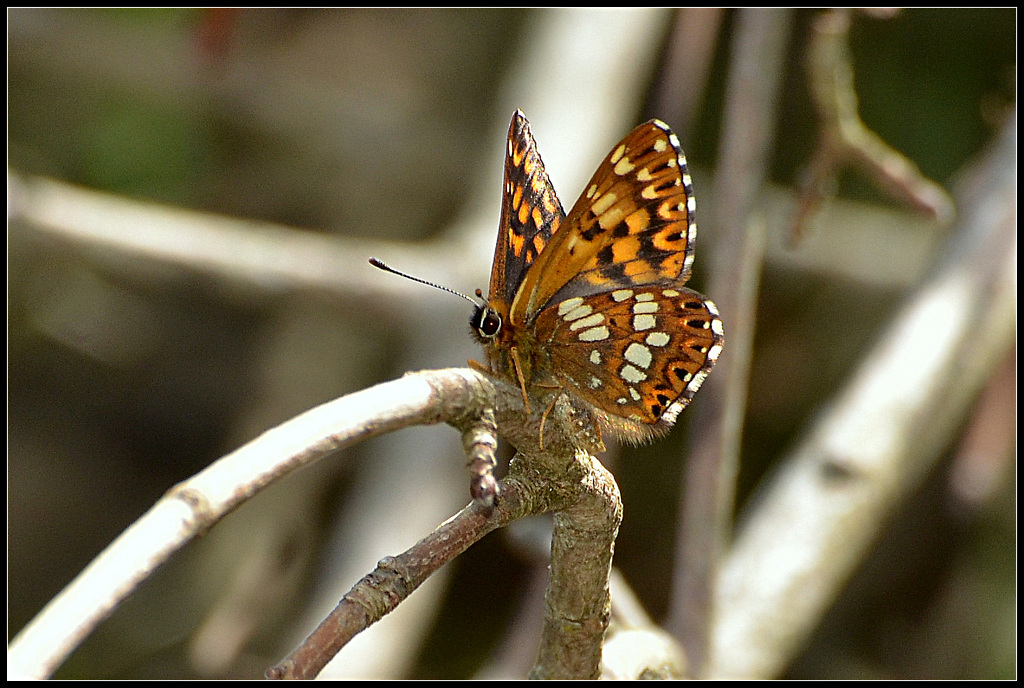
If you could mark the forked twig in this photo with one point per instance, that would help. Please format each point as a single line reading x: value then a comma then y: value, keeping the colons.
x: 844, y: 138
x: 561, y: 478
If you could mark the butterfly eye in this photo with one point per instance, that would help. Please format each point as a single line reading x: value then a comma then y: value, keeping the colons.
x: 486, y: 322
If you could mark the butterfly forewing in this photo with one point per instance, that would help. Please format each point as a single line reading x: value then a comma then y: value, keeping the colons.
x: 530, y: 213
x: 633, y: 225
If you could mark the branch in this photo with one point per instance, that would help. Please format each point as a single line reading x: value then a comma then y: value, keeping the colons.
x: 192, y: 507
x: 801, y: 540
x: 394, y: 579
x: 578, y: 600
x: 260, y: 255
x: 561, y: 477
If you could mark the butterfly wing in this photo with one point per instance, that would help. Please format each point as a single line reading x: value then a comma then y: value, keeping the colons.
x: 637, y: 354
x: 530, y: 213
x: 632, y: 226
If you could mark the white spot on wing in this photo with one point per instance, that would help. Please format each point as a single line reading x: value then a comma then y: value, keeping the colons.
x: 621, y: 295
x: 569, y: 304
x: 589, y: 321
x: 578, y: 312
x: 624, y: 167
x: 643, y: 322
x: 632, y: 374
x: 594, y: 334
x: 658, y: 339
x: 638, y: 354
x: 645, y: 307
x: 603, y: 203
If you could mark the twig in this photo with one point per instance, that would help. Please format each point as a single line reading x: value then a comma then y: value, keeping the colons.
x: 845, y: 139
x: 561, y: 478
x: 259, y: 255
x: 394, y: 579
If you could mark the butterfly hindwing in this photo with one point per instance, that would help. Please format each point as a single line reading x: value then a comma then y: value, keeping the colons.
x: 634, y: 353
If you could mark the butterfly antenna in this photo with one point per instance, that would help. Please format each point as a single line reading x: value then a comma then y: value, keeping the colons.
x: 387, y: 268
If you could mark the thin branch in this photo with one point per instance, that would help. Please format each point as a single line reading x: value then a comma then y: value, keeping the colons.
x: 259, y: 255
x: 562, y: 478
x: 394, y: 579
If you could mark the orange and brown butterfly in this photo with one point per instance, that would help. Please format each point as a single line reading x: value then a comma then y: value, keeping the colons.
x: 592, y: 304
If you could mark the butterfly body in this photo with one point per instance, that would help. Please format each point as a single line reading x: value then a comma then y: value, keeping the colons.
x: 591, y: 304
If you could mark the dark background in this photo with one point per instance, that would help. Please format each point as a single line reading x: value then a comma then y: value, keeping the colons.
x: 125, y: 378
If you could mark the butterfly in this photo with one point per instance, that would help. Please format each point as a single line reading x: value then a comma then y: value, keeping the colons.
x: 591, y: 305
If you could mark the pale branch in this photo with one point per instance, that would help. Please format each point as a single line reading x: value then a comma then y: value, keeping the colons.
x: 635, y: 647
x: 560, y: 478
x: 801, y: 539
x: 269, y: 258
x: 193, y: 506
x: 257, y: 255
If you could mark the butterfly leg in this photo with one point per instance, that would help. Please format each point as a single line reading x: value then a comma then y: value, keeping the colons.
x: 519, y: 374
x: 544, y: 419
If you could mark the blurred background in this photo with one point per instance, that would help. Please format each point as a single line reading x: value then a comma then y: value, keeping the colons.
x: 317, y: 138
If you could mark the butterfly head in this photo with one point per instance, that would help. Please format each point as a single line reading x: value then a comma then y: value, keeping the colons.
x: 486, y: 322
